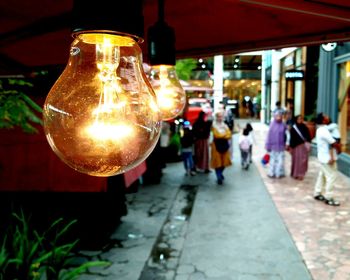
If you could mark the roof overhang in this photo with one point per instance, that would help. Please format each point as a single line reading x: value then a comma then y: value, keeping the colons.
x: 37, y: 33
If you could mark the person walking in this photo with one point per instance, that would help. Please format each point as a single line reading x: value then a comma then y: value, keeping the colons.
x: 201, y: 133
x: 186, y: 149
x: 278, y: 109
x: 275, y: 145
x: 245, y: 143
x: 299, y: 148
x: 327, y: 175
x: 220, y: 155
x: 252, y: 140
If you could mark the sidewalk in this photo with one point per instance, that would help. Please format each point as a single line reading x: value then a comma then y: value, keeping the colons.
x: 252, y: 227
x: 235, y: 232
x: 320, y: 232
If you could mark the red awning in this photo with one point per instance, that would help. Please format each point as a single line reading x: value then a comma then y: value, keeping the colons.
x: 37, y: 32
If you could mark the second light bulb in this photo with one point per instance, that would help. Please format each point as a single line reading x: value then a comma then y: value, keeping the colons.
x: 170, y: 95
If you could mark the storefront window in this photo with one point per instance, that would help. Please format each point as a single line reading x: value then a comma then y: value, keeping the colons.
x: 292, y: 88
x: 344, y: 105
x: 345, y: 49
x: 288, y: 60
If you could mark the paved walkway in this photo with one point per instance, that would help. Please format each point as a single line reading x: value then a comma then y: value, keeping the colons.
x: 252, y: 227
x: 320, y: 232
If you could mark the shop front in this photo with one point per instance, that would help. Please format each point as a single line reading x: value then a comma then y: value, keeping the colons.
x: 292, y: 81
x: 334, y: 94
x: 344, y: 105
x: 298, y: 81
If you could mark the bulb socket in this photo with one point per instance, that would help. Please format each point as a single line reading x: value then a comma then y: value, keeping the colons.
x: 119, y: 16
x: 161, y: 44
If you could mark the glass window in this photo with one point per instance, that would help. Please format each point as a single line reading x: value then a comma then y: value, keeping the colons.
x: 344, y: 105
x: 288, y: 60
x: 343, y: 48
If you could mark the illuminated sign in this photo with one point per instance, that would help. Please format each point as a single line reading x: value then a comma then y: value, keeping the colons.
x: 294, y: 75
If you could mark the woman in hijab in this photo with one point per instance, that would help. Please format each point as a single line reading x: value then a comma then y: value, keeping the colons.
x: 201, y: 132
x: 275, y: 145
x: 299, y: 135
x: 220, y: 155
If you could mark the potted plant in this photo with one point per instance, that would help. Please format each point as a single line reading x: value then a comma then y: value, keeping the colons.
x: 16, y: 108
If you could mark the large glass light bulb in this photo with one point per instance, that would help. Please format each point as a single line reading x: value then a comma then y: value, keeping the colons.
x: 170, y: 94
x: 101, y: 116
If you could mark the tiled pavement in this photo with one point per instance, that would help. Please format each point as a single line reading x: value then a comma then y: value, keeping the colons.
x: 321, y: 232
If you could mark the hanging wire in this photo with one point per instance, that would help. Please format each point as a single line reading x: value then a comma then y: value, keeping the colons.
x: 161, y: 10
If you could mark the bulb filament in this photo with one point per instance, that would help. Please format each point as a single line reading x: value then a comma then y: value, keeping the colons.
x: 110, y: 117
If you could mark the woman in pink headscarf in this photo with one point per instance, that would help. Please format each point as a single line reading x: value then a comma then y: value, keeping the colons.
x: 276, y: 144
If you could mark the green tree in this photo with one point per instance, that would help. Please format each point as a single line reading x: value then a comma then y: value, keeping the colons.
x: 184, y: 68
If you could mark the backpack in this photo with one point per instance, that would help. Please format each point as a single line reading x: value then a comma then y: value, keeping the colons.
x: 244, y: 145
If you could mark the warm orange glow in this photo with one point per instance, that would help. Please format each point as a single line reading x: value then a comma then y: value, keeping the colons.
x: 109, y: 116
x: 109, y: 132
x: 170, y: 95
x: 101, y: 117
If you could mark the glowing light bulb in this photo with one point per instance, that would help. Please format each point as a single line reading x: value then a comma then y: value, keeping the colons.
x: 101, y: 116
x: 170, y: 95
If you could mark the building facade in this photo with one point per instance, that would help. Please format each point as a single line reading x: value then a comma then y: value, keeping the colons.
x: 315, y: 79
x: 334, y: 94
x: 290, y: 76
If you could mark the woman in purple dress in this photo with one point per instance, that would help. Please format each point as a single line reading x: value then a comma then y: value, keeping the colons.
x: 276, y: 145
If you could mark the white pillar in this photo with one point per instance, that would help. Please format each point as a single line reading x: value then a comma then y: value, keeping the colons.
x: 275, y: 77
x: 263, y: 88
x: 218, y: 80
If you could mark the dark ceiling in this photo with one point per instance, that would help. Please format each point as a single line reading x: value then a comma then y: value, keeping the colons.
x: 36, y: 33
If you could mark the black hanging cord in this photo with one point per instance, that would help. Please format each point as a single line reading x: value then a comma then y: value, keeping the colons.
x: 161, y: 40
x: 122, y: 16
x: 160, y: 10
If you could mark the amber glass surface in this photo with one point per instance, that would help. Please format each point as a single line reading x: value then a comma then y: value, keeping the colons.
x: 101, y: 116
x: 170, y: 94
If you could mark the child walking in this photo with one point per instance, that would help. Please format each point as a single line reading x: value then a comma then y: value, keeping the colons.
x: 245, y: 143
x: 252, y: 140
